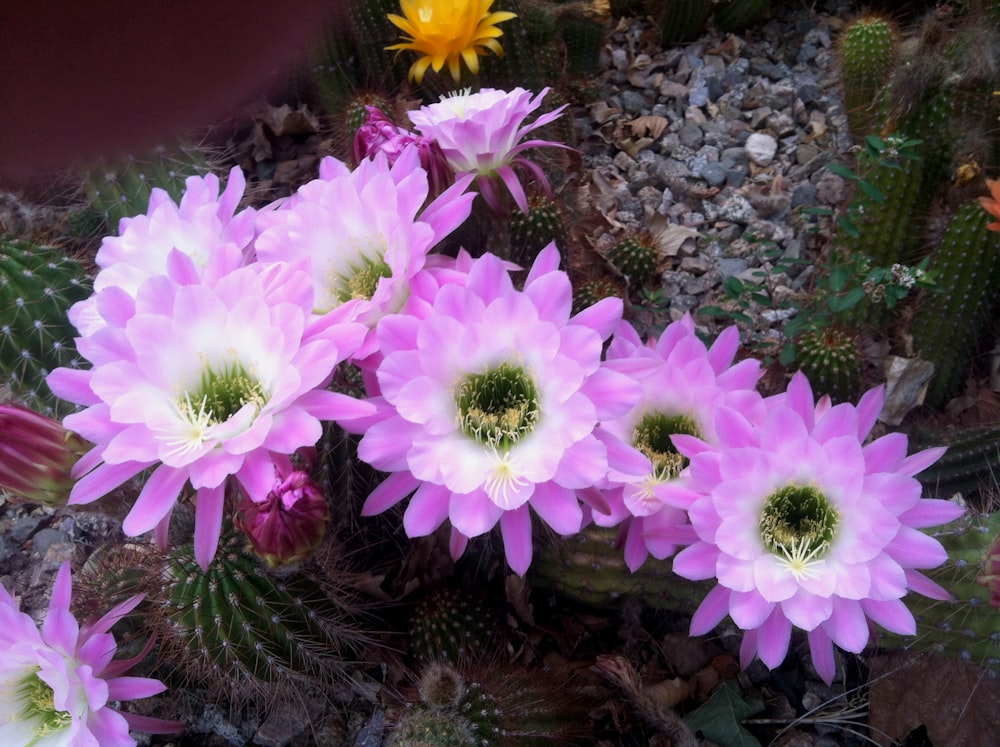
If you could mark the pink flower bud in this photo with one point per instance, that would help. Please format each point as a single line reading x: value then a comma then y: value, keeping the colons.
x: 290, y: 523
x: 380, y: 134
x: 36, y: 456
x: 990, y: 577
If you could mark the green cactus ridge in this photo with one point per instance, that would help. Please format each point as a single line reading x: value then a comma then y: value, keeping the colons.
x: 868, y: 54
x: 250, y: 627
x: 635, y: 257
x: 37, y: 287
x: 967, y: 465
x: 122, y: 189
x: 532, y: 231
x: 949, y: 323
x: 737, y: 15
x: 448, y: 626
x: 590, y: 292
x: 967, y: 627
x: 680, y: 20
x: 829, y: 357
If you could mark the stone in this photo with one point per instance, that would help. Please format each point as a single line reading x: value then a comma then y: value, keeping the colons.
x: 761, y: 148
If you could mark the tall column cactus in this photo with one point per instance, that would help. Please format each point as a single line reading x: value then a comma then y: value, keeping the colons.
x: 868, y: 53
x: 37, y: 287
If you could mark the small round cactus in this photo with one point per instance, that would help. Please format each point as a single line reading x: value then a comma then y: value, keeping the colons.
x: 448, y: 627
x: 532, y: 231
x: 830, y: 358
x: 590, y: 292
x: 636, y: 257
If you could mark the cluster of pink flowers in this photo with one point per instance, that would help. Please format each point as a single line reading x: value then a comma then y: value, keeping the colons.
x: 214, y: 333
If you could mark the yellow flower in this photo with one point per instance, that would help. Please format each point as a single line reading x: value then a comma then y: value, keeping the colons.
x: 449, y: 31
x: 992, y: 203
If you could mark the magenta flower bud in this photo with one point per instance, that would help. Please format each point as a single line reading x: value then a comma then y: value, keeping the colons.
x: 36, y: 456
x: 380, y: 134
x: 290, y: 523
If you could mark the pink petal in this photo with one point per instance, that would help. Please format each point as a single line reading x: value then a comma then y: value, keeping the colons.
x: 697, y: 562
x: 931, y: 513
x: 749, y: 609
x: 558, y: 507
x: 921, y: 460
x: 389, y: 492
x: 847, y: 625
x: 891, y: 614
x: 773, y: 637
x: 427, y: 510
x: 208, y: 511
x: 515, y: 526
x: 60, y: 629
x: 131, y: 688
x: 474, y: 513
x: 912, y: 548
x: 919, y: 583
x: 157, y: 497
x: 806, y: 610
x: 821, y: 648
x: 712, y: 610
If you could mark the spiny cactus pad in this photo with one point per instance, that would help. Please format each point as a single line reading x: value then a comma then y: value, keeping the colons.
x: 636, y: 257
x: 37, y: 287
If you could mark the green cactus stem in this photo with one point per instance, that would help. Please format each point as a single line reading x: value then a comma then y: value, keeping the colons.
x: 37, y: 287
x: 949, y: 323
x: 532, y: 231
x: 636, y: 257
x: 868, y: 53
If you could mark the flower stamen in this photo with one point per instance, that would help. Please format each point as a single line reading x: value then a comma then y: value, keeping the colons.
x: 498, y: 407
x: 652, y: 437
x: 798, y: 524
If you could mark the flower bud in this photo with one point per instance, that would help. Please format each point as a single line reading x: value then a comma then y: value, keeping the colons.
x: 289, y: 523
x: 990, y: 577
x: 36, y: 456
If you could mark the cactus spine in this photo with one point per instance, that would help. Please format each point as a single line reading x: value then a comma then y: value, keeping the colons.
x: 636, y: 257
x: 37, y: 287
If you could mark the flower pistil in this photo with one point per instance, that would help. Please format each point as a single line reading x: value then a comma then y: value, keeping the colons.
x: 798, y: 524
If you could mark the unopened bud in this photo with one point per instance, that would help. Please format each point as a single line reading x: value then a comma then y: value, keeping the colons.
x: 37, y: 455
x: 289, y: 523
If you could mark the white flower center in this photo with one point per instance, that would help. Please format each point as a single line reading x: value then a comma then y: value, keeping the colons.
x: 798, y: 524
x: 31, y: 704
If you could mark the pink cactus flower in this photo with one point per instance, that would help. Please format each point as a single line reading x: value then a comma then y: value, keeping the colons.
x: 58, y: 683
x: 37, y: 456
x: 483, y: 133
x: 204, y: 383
x: 489, y: 400
x: 684, y: 383
x: 364, y: 233
x: 289, y: 523
x: 804, y: 525
x: 205, y: 227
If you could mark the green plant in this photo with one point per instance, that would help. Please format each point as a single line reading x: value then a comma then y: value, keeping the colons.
x: 636, y: 257
x: 121, y: 188
x: 588, y: 293
x: 868, y: 53
x: 532, y: 231
x: 447, y: 626
x: 830, y: 358
x: 947, y: 325
x: 37, y: 287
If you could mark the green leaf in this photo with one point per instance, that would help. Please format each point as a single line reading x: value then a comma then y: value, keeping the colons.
x: 873, y: 192
x: 849, y: 300
x: 711, y: 311
x: 733, y: 286
x: 787, y: 354
x: 720, y: 716
x: 841, y: 170
x: 838, y: 279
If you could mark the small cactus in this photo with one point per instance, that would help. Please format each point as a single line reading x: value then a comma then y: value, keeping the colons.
x: 737, y: 15
x: 830, y: 358
x: 680, y: 20
x: 590, y: 292
x: 37, y: 287
x: 532, y: 231
x: 433, y: 727
x: 636, y: 257
x: 448, y: 627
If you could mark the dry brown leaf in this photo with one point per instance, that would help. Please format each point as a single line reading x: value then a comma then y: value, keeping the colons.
x: 632, y: 147
x: 648, y: 126
x: 600, y: 112
x: 956, y: 701
x: 669, y: 236
x: 283, y: 120
x: 669, y: 693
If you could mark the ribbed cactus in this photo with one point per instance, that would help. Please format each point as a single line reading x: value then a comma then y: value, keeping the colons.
x: 636, y: 257
x: 448, y: 626
x: 868, y: 53
x: 949, y: 323
x: 680, y: 20
x: 433, y: 727
x: 590, y: 569
x: 582, y: 32
x: 830, y: 358
x: 590, y: 292
x: 237, y: 629
x: 969, y: 626
x: 37, y: 287
x: 737, y: 15
x: 121, y: 189
x: 532, y: 231
x: 968, y: 467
